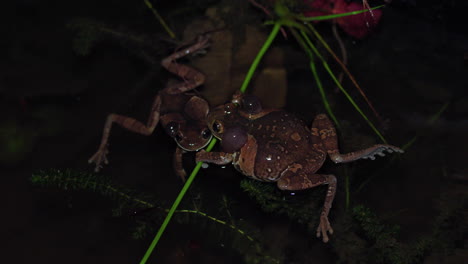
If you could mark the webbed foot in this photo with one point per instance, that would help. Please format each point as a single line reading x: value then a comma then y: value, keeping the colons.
x: 368, y: 153
x: 323, y: 228
x: 99, y: 158
x: 203, y: 42
x: 380, y: 150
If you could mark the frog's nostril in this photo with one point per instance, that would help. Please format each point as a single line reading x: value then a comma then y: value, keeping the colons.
x: 172, y: 129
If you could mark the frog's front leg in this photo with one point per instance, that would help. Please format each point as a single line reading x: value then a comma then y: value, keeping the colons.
x: 297, y: 178
x: 324, y: 137
x: 218, y: 158
x: 126, y: 122
x: 177, y: 163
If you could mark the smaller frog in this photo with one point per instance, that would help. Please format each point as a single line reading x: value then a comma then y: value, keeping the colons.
x: 182, y: 114
x: 273, y: 145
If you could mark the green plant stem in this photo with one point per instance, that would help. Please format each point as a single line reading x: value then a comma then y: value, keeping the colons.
x: 160, y: 19
x: 322, y: 93
x: 259, y: 56
x: 233, y: 227
x: 430, y: 122
x: 313, y: 68
x: 332, y: 75
x: 254, y: 65
x: 174, y: 206
x: 179, y: 198
x: 343, y: 67
x: 406, y: 146
x: 71, y: 180
x: 333, y: 16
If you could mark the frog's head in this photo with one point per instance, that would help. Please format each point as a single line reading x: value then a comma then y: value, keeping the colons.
x: 222, y: 118
x: 189, y: 129
x: 228, y: 124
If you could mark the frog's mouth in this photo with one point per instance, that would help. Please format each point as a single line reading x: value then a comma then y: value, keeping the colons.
x: 193, y: 146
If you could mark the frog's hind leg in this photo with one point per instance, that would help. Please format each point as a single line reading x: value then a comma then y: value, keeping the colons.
x: 192, y: 77
x: 324, y: 134
x: 324, y: 137
x: 296, y: 178
x: 129, y: 123
x: 134, y: 125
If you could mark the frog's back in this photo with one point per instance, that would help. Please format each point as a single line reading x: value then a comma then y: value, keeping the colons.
x: 282, y: 140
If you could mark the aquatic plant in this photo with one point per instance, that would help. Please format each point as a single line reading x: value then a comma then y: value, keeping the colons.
x: 243, y: 237
x: 362, y: 236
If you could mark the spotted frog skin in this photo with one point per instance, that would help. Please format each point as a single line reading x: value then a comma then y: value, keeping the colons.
x: 273, y: 145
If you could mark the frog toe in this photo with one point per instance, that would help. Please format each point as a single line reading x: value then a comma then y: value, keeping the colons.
x: 99, y: 158
x: 324, y: 228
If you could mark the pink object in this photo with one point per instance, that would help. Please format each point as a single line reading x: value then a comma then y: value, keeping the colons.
x: 358, y: 26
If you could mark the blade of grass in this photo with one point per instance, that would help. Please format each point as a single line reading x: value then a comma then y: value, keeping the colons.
x: 405, y: 147
x: 345, y: 69
x: 175, y: 205
x: 313, y: 68
x: 333, y: 16
x: 322, y: 93
x: 430, y: 122
x: 332, y: 75
x: 160, y: 19
x: 259, y: 56
x: 187, y: 184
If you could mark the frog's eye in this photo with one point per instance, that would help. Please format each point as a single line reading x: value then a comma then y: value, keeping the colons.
x: 217, y: 127
x: 178, y: 137
x: 172, y: 129
x: 206, y: 133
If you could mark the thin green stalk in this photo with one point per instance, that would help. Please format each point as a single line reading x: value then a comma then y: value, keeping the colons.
x: 179, y: 198
x: 350, y: 99
x: 175, y: 205
x: 343, y: 67
x: 233, y: 227
x: 160, y: 19
x: 322, y: 93
x: 313, y: 68
x: 259, y: 56
x: 431, y: 121
x: 333, y: 16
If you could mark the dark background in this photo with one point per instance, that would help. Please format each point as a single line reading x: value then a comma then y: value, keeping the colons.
x: 53, y: 104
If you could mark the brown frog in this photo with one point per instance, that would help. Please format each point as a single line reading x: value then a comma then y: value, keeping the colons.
x: 182, y: 114
x: 275, y: 146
